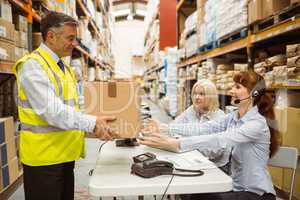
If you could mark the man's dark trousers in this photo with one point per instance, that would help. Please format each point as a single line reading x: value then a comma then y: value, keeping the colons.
x: 52, y: 182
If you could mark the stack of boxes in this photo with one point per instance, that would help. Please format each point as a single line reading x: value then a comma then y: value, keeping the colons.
x: 240, y: 67
x: 203, y: 71
x: 21, y: 36
x: 171, y: 61
x: 224, y: 77
x: 181, y: 96
x: 260, y: 9
x: 273, y: 69
x: 231, y: 16
x: 9, y: 164
x: 7, y: 50
x: 210, y: 21
x: 200, y: 22
x: 293, y: 64
x: 191, y: 71
x: 191, y: 36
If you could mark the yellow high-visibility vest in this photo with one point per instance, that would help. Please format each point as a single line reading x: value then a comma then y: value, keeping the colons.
x: 40, y: 143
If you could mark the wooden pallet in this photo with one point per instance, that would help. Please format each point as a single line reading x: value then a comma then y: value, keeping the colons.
x: 282, y: 16
x: 233, y: 36
x: 207, y: 47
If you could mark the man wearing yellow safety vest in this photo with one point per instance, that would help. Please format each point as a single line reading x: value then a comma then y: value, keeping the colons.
x: 52, y: 127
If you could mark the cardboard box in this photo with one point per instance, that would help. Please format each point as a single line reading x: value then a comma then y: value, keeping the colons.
x: 6, y: 30
x: 271, y: 7
x: 11, y: 149
x: 13, y: 168
x: 3, y: 155
x: 7, y: 129
x: 289, y: 126
x: 4, y: 177
x: 255, y: 10
x: 20, y: 23
x: 21, y: 39
x: 9, y: 173
x: 7, y: 51
x: 117, y: 98
x: 5, y: 10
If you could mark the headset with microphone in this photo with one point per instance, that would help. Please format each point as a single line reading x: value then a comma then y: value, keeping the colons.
x: 254, y: 94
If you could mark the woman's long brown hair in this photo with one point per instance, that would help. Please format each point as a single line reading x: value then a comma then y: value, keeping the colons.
x: 255, y: 82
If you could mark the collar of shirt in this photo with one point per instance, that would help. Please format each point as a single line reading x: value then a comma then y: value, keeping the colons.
x: 52, y: 54
x: 248, y: 116
x: 205, y: 116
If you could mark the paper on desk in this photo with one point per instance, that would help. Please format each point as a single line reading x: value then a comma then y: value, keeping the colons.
x: 189, y: 160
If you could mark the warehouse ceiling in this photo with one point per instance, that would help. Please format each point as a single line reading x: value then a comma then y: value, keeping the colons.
x: 129, y: 9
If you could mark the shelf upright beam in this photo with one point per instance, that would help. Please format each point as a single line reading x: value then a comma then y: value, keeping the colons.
x: 178, y: 6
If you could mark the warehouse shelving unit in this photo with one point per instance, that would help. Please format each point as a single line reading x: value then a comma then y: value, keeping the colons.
x: 248, y: 42
x: 31, y: 14
x: 246, y: 46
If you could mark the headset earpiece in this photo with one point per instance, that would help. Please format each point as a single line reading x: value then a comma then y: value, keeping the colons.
x: 255, y: 93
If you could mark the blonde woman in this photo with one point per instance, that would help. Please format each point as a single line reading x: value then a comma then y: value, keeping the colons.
x: 205, y: 104
x: 205, y: 108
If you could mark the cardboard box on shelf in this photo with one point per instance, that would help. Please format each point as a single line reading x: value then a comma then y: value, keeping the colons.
x: 4, y: 177
x: 7, y: 129
x: 9, y: 173
x: 6, y: 29
x: 24, y: 39
x: 3, y: 155
x: 271, y: 7
x: 11, y: 149
x: 255, y: 10
x: 118, y: 98
x: 20, y: 23
x: 7, y: 51
x: 5, y: 10
x: 13, y: 168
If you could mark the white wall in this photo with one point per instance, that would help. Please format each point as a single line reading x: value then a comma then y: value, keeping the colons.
x: 128, y: 39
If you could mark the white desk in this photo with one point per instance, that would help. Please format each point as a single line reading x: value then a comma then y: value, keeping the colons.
x: 112, y: 176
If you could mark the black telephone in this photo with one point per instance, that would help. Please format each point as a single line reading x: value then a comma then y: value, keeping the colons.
x: 147, y: 165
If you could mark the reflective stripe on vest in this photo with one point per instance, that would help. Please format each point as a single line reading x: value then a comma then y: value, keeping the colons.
x: 40, y: 129
x: 26, y: 104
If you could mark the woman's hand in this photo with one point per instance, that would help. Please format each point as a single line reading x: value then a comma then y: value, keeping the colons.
x: 154, y: 126
x: 157, y: 140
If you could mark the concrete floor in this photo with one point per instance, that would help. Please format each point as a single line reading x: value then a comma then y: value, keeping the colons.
x: 83, y: 166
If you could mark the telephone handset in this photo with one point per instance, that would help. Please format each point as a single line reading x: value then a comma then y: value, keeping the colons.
x: 146, y: 165
x: 157, y: 163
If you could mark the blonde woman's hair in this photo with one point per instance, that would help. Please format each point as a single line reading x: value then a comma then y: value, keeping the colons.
x: 210, y: 93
